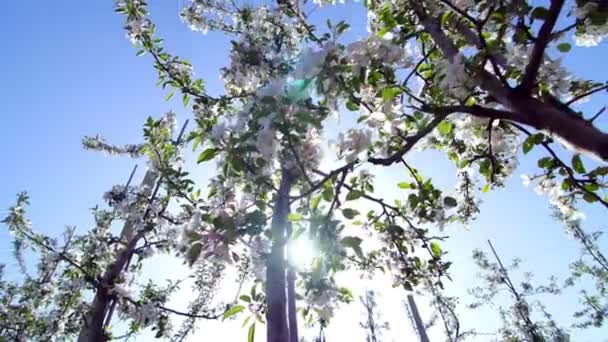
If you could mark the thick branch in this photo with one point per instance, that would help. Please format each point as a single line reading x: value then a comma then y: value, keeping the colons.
x: 544, y: 37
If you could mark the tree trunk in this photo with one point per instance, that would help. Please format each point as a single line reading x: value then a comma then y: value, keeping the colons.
x: 93, y: 327
x: 276, y: 299
x: 291, y: 306
x: 419, y: 325
x: 292, y: 317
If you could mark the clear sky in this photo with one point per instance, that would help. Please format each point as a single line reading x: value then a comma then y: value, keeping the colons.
x: 67, y: 71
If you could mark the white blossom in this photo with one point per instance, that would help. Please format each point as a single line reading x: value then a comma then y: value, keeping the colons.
x: 266, y: 143
x: 353, y: 143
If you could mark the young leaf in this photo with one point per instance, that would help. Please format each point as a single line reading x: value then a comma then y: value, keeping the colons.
x: 577, y: 164
x: 352, y: 106
x: 251, y: 333
x: 435, y: 249
x: 450, y: 201
x: 388, y: 94
x: 232, y: 311
x: 445, y: 127
x: 354, y: 243
x: 353, y: 195
x: 404, y: 185
x: 207, y: 154
x: 349, y: 213
x: 294, y: 217
x: 564, y: 47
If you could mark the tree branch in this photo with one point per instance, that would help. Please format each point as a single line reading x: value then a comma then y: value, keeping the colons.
x: 538, y: 52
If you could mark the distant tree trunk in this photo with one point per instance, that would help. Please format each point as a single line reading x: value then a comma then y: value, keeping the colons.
x: 419, y: 325
x: 276, y: 314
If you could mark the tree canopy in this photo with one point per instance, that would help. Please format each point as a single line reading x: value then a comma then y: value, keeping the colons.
x: 481, y: 82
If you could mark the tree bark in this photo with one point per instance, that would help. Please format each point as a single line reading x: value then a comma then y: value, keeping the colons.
x: 291, y: 306
x: 276, y: 299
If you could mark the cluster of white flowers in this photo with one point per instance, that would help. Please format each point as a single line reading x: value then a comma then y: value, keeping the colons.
x: 555, y: 76
x: 452, y: 76
x: 308, y: 152
x: 468, y: 202
x: 259, y: 248
x: 254, y: 58
x: 362, y: 52
x: 321, y: 3
x: 557, y: 197
x: 138, y: 29
x: 352, y: 145
x: 474, y: 134
x: 144, y: 314
x: 214, y: 247
x: 122, y: 292
x: 193, y: 15
x: 177, y: 69
x: 323, y: 300
x: 590, y: 34
x: 266, y: 142
x: 97, y: 143
x: 550, y: 72
x: 311, y: 61
x: 463, y: 4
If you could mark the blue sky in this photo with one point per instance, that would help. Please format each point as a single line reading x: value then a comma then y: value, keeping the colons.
x: 68, y: 71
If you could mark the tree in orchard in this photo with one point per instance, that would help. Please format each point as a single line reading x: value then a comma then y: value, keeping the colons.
x: 476, y: 80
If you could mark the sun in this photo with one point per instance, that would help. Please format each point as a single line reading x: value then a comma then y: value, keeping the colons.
x: 301, y: 252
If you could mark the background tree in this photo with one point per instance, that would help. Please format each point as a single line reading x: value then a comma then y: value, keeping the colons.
x: 372, y: 323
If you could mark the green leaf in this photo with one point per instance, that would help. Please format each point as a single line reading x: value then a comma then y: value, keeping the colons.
x: 470, y: 102
x: 251, y: 333
x: 404, y: 185
x: 341, y: 27
x: 245, y: 298
x: 169, y: 96
x: 294, y: 217
x: 532, y: 140
x: 388, y: 94
x: 208, y: 154
x: 577, y: 164
x: 435, y: 249
x: 545, y: 162
x: 450, y: 201
x: 600, y: 171
x: 486, y: 188
x: 354, y: 243
x: 349, y: 213
x: 589, y: 198
x: 564, y: 47
x: 233, y: 311
x: 246, y: 321
x: 445, y: 127
x: 353, y: 195
x: 352, y: 106
x: 314, y: 202
x: 408, y: 286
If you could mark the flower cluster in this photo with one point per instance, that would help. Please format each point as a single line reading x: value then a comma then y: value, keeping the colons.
x: 352, y: 145
x: 593, y: 30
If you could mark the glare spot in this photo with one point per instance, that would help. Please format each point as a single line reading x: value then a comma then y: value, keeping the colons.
x: 301, y: 252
